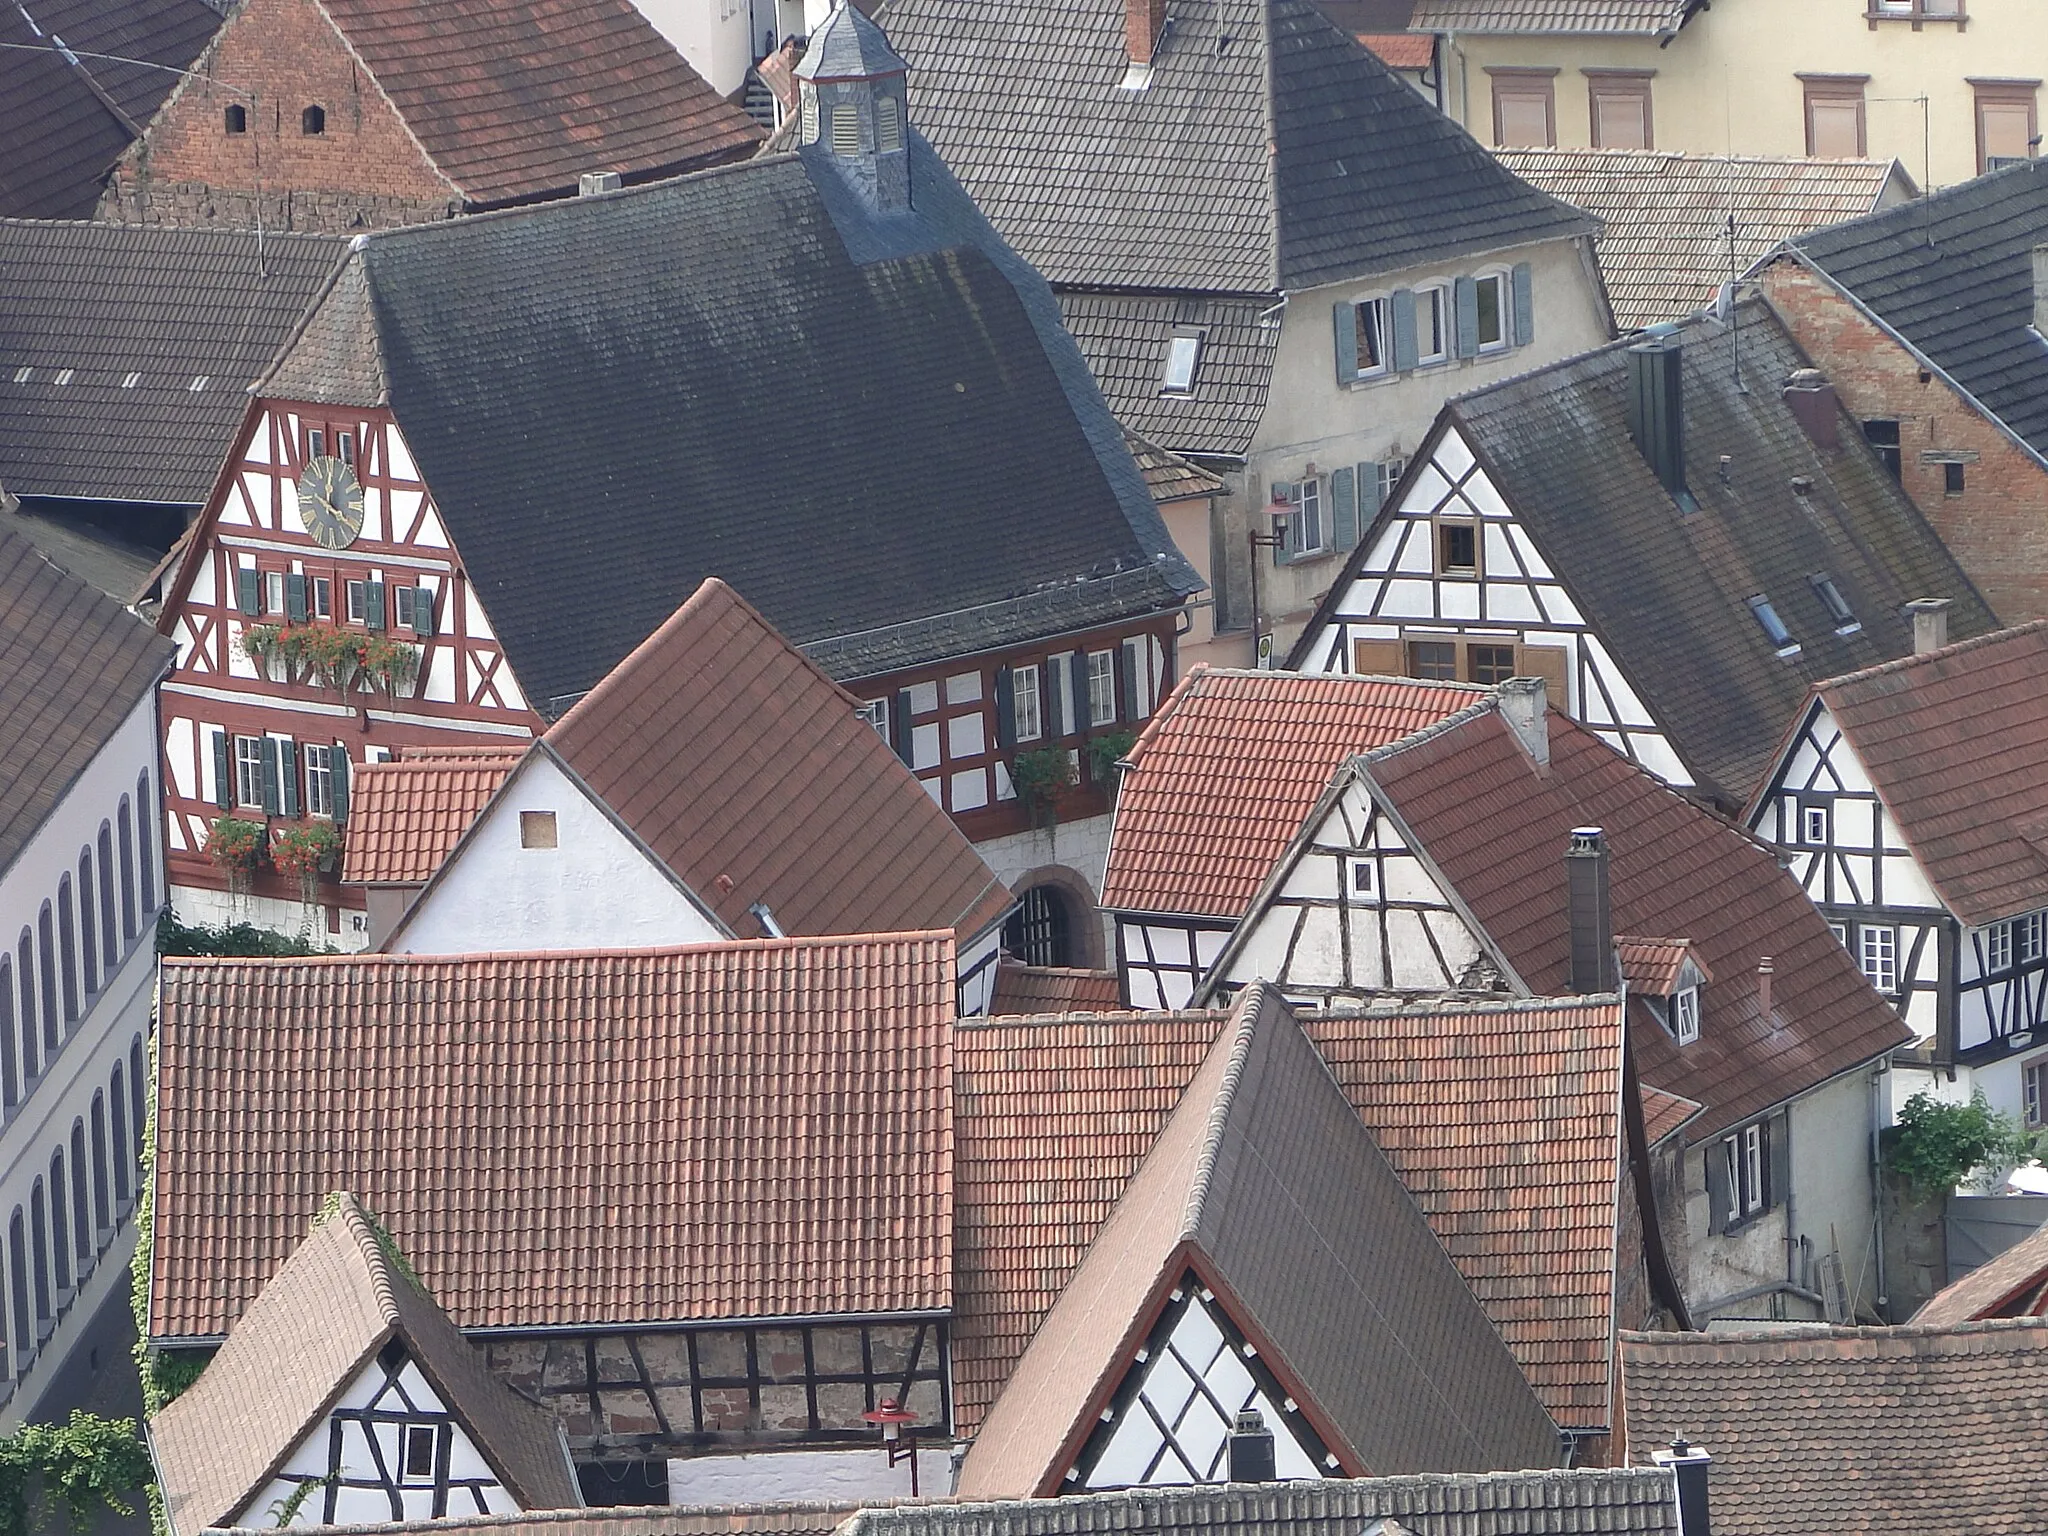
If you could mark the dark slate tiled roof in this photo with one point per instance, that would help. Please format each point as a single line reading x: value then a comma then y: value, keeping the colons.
x: 848, y: 45
x: 1952, y: 273
x: 136, y: 315
x: 1124, y: 338
x: 58, y: 135
x: 1846, y: 1431
x: 742, y: 374
x: 73, y: 665
x: 1271, y: 149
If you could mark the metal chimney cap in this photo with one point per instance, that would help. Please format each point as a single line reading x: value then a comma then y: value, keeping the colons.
x: 1586, y: 839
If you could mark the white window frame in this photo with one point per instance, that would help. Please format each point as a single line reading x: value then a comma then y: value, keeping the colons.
x: 1752, y: 1195
x: 1998, y: 947
x: 1102, y: 687
x: 406, y: 1476
x: 1505, y: 286
x: 1307, y: 518
x: 273, y: 591
x: 2028, y: 944
x: 1877, y: 955
x: 248, y: 771
x: 1183, y: 357
x: 1027, y: 718
x: 402, y: 599
x: 1807, y: 825
x: 875, y: 713
x: 319, y: 781
x: 1373, y: 315
x: 1433, y: 299
x: 1362, y: 881
x: 358, y: 602
x: 320, y: 596
x: 1685, y: 1015
x: 1390, y: 472
x: 2033, y: 1080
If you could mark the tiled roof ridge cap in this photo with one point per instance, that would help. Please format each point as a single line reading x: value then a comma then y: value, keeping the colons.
x: 1249, y: 1012
x: 1479, y: 707
x: 1340, y: 679
x: 178, y: 231
x: 346, y: 1210
x: 1812, y: 1333
x: 1652, y: 938
x: 1926, y: 209
x: 1693, y: 157
x: 903, y: 939
x: 1094, y: 1016
x: 1421, y: 1005
x: 1905, y: 663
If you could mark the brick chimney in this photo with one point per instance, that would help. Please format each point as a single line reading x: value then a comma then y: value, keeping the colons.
x: 1251, y: 1449
x: 1688, y: 1466
x: 1589, y: 912
x: 1811, y: 399
x: 1765, y: 970
x: 1144, y: 25
x: 1930, y: 623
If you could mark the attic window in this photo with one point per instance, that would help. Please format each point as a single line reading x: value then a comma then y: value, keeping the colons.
x: 888, y: 124
x: 1773, y: 627
x: 846, y: 131
x: 421, y: 1442
x: 1846, y: 622
x: 537, y: 829
x: 237, y: 118
x: 313, y: 121
x: 1685, y: 1015
x: 1182, y: 353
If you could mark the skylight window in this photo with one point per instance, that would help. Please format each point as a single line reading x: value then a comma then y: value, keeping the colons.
x: 131, y: 381
x: 1182, y: 353
x: 1845, y: 620
x: 1773, y: 627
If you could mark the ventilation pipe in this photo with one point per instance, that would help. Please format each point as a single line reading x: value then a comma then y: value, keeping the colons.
x: 1589, y: 911
x: 1930, y: 623
x: 1688, y: 1466
x: 1811, y: 399
x: 1656, y: 408
x: 1251, y: 1449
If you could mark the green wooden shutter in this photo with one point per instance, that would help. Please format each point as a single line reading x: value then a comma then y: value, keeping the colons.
x: 423, y: 612
x: 1403, y: 307
x: 1127, y: 682
x: 287, y: 776
x: 1077, y: 680
x: 295, y: 598
x: 899, y: 726
x: 337, y: 767
x: 373, y: 605
x: 1344, y: 322
x: 1006, y: 708
x: 1525, y: 304
x: 270, y: 794
x: 1465, y: 304
x: 1370, y: 498
x: 248, y: 590
x: 1344, y: 507
x: 1283, y: 552
x: 223, y: 773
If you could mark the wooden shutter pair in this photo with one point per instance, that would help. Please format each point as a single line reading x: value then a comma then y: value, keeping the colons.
x: 223, y: 772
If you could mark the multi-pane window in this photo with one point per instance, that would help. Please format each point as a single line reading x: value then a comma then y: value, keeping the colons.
x: 1369, y: 321
x: 1998, y: 947
x: 323, y: 597
x: 1390, y: 473
x: 876, y: 713
x: 1102, y: 687
x: 1457, y: 549
x: 1492, y: 663
x: 319, y: 782
x: 358, y: 601
x: 402, y: 604
x: 273, y: 591
x: 1435, y: 660
x: 1024, y: 704
x: 2027, y: 934
x: 1495, y: 326
x: 1877, y: 953
x: 1813, y: 824
x: 1742, y: 1168
x: 1308, y: 515
x: 249, y: 771
x: 1685, y: 1015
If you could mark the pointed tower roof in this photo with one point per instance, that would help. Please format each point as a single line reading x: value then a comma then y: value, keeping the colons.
x: 849, y: 47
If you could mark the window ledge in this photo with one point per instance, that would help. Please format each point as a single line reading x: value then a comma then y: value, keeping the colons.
x: 1918, y: 19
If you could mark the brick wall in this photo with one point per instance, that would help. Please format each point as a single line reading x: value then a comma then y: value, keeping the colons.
x: 274, y: 59
x: 1998, y: 526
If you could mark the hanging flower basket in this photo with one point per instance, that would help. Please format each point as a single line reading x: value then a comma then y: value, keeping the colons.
x: 235, y: 846
x: 303, y: 851
x: 1043, y: 777
x: 392, y: 665
x: 264, y: 645
x: 325, y: 654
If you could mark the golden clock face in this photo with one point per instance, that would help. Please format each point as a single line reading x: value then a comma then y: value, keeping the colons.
x: 330, y: 503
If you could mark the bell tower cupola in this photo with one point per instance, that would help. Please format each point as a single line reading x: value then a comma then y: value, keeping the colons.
x: 853, y: 107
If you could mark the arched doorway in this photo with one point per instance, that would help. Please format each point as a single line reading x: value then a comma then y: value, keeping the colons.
x: 1040, y: 931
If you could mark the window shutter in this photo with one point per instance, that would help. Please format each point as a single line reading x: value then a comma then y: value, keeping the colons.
x: 1369, y: 498
x: 1127, y: 681
x: 1376, y: 658
x: 373, y: 605
x: 1344, y: 321
x: 423, y: 612
x: 1774, y: 1139
x: 1077, y: 680
x: 1284, y: 551
x: 899, y: 726
x: 1344, y: 507
x: 1057, y: 698
x: 337, y: 768
x: 223, y: 772
x: 1465, y: 301
x: 1717, y: 1186
x: 1405, y: 354
x: 295, y: 598
x: 248, y: 590
x: 287, y: 776
x: 270, y: 801
x: 1006, y: 708
x: 1552, y: 663
x: 1525, y: 305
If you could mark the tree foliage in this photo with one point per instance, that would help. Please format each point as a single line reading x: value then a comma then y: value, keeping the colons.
x: 176, y: 938
x: 1938, y: 1144
x: 79, y: 1465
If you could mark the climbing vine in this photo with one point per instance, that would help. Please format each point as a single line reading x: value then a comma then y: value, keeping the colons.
x: 81, y: 1464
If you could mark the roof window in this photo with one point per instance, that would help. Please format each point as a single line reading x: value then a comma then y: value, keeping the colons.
x: 1846, y: 622
x: 131, y: 381
x: 65, y: 375
x: 1773, y: 627
x: 23, y: 375
x: 1182, y: 352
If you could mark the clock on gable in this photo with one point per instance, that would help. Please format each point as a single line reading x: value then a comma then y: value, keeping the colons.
x: 330, y: 502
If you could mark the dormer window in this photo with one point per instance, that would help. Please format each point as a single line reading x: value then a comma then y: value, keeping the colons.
x: 1773, y: 627
x: 888, y: 124
x: 846, y: 131
x: 1685, y: 1015
x: 1182, y: 353
x: 1830, y: 595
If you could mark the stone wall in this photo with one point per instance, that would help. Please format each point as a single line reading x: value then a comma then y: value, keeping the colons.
x: 132, y: 198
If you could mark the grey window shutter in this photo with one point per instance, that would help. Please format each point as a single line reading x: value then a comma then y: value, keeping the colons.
x: 1077, y: 679
x: 1775, y: 1141
x: 287, y: 776
x: 1465, y: 301
x: 1717, y: 1186
x: 295, y: 598
x: 373, y: 604
x: 1525, y: 305
x: 1405, y: 354
x: 899, y: 726
x: 1344, y: 507
x: 270, y: 801
x: 1006, y: 708
x: 423, y: 612
x: 1344, y: 321
x: 1284, y: 550
x: 1056, y: 697
x: 223, y: 772
x: 1127, y: 681
x: 337, y: 768
x: 248, y: 590
x: 1369, y: 498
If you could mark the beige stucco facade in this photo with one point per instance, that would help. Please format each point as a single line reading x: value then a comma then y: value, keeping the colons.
x: 1731, y: 80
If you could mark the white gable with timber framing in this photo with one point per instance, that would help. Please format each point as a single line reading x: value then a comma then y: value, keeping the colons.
x: 1452, y: 586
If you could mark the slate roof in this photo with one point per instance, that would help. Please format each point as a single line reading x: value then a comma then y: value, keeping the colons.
x: 1270, y: 151
x: 1832, y: 1431
x: 73, y: 666
x: 1625, y: 1501
x: 1667, y: 591
x: 405, y: 816
x: 1124, y: 337
x: 1053, y: 1116
x: 849, y: 46
x: 1956, y: 742
x: 1224, y: 772
x: 737, y: 1130
x: 64, y: 120
x: 1626, y: 18
x: 899, y: 358
x: 1265, y: 1182
x: 327, y: 1312
x: 744, y: 768
x: 128, y: 318
x: 2011, y: 1284
x: 1663, y: 242
x: 1952, y: 274
x: 1497, y: 826
x: 514, y: 102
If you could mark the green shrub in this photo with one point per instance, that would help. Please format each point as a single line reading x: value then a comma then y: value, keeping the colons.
x: 1936, y: 1144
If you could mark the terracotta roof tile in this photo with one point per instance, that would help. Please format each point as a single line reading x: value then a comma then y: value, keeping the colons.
x: 796, y: 1518
x: 736, y: 1130
x: 1401, y: 50
x: 1224, y: 773
x: 1956, y: 742
x: 1664, y: 1113
x: 1035, y: 989
x: 1834, y: 1431
x: 2013, y: 1283
x: 405, y: 815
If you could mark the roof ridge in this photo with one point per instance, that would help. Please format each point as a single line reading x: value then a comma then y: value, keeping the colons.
x: 1904, y: 663
x: 1251, y: 1005
x: 371, y: 1240
x: 661, y: 951
x: 1434, y: 729
x: 1815, y: 1332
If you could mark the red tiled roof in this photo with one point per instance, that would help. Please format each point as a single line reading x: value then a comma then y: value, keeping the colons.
x: 1664, y: 1113
x: 1498, y: 827
x: 405, y: 815
x: 744, y: 767
x: 1053, y: 1116
x: 1224, y: 773
x: 1033, y: 989
x: 568, y: 1140
x: 1956, y: 742
x: 2012, y: 1284
x: 1401, y: 50
x: 510, y: 101
x: 1653, y: 965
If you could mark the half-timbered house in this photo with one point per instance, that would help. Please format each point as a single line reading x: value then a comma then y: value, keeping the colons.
x: 500, y: 451
x: 1677, y: 534
x: 1911, y: 802
x: 344, y: 1396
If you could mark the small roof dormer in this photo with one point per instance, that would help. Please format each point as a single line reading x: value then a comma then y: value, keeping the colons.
x: 853, y: 112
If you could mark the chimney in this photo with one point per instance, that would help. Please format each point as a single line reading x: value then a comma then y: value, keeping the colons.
x: 1764, y: 972
x: 2041, y: 289
x: 1811, y: 399
x: 1251, y: 1449
x: 1590, y: 915
x: 591, y: 183
x: 1930, y: 623
x: 1688, y: 1465
x: 1524, y: 706
x: 1656, y: 415
x: 1144, y: 25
